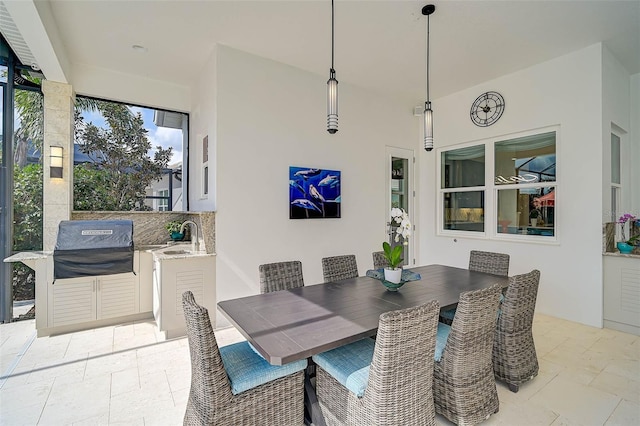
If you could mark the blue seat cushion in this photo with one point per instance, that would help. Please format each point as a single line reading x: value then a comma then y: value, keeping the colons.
x: 449, y: 314
x: 349, y: 364
x: 441, y: 340
x: 253, y: 348
x: 246, y: 369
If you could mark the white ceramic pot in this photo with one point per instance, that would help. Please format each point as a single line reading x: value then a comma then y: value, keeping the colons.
x: 393, y: 275
x: 534, y: 221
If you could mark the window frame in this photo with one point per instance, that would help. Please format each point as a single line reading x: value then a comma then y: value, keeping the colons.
x: 441, y: 191
x: 162, y: 202
x: 491, y: 191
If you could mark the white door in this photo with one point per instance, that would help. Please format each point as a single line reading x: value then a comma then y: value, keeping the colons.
x: 400, y: 193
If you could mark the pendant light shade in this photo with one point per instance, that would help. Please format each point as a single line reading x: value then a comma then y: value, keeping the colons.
x: 428, y: 126
x: 332, y: 90
x: 428, y: 112
x: 332, y: 102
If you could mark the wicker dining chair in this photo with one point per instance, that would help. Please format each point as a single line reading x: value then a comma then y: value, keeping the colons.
x: 482, y: 261
x: 384, y: 382
x: 514, y: 353
x: 337, y: 268
x: 280, y: 276
x: 489, y: 262
x: 379, y: 261
x: 463, y: 384
x: 232, y: 385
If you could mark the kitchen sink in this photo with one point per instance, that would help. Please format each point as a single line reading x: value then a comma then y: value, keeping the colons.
x: 172, y: 252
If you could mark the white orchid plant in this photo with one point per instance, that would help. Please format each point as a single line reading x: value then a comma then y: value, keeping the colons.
x: 403, y: 229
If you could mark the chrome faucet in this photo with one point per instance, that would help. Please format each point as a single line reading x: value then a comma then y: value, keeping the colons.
x: 195, y: 239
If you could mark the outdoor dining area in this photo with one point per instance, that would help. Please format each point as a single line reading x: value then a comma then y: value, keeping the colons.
x: 351, y: 351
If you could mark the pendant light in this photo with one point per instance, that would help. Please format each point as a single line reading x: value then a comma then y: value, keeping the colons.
x: 428, y: 112
x: 332, y: 90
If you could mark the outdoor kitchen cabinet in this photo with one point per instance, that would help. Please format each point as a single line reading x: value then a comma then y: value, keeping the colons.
x: 78, y: 300
x: 82, y: 300
x: 172, y: 276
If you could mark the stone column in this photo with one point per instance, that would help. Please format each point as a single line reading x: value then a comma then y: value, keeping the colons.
x: 58, y: 131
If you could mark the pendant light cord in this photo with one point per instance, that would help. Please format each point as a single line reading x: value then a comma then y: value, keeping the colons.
x: 332, y: 44
x: 428, y: 98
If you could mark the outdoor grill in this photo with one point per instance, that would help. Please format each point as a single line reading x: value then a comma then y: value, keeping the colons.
x: 93, y: 247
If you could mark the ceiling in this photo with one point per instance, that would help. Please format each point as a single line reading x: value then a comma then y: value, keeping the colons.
x: 379, y: 45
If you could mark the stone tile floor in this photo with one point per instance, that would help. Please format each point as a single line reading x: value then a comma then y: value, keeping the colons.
x: 127, y: 375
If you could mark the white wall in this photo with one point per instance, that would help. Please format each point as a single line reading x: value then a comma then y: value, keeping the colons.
x: 271, y: 116
x: 202, y: 122
x: 616, y: 103
x: 566, y: 92
x: 635, y: 143
x: 135, y: 89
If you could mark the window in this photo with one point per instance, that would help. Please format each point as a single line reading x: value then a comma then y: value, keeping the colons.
x: 520, y: 190
x: 462, y: 184
x: 205, y: 166
x: 163, y: 203
x: 615, y: 176
x: 525, y: 170
x: 125, y: 155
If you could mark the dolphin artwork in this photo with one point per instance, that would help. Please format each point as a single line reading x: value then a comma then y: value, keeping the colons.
x: 315, y: 194
x: 305, y: 204
x: 329, y: 180
x: 306, y: 174
x: 297, y: 186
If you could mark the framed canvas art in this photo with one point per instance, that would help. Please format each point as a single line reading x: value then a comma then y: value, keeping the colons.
x: 314, y: 193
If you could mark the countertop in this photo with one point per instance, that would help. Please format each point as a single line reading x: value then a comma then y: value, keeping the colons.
x: 159, y: 251
x: 618, y: 254
x: 28, y: 255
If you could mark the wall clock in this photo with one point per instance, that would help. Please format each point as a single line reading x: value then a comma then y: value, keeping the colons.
x: 487, y: 109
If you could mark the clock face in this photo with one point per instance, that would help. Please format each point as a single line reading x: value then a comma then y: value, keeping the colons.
x: 487, y: 109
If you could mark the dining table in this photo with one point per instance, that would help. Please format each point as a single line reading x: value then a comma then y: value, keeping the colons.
x: 295, y: 324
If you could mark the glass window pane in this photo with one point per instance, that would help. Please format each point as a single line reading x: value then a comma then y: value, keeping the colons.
x: 527, y: 211
x: 526, y: 160
x: 463, y: 167
x: 615, y: 158
x: 464, y: 211
x: 3, y: 73
x: 614, y: 203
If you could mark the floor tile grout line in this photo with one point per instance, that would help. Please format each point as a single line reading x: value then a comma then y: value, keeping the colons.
x: 5, y: 376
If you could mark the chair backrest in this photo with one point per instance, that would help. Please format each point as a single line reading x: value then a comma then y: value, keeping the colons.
x: 379, y: 261
x: 519, y: 303
x: 337, y: 268
x: 470, y: 340
x: 210, y: 386
x: 280, y: 276
x: 489, y: 262
x: 402, y: 365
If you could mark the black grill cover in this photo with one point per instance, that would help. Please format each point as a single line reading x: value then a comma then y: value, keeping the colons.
x: 93, y: 247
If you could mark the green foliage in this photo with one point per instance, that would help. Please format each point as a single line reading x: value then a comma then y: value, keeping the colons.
x: 393, y: 256
x: 121, y: 172
x: 27, y: 208
x: 173, y: 226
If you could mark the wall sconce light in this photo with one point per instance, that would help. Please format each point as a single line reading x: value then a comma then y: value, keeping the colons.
x: 55, y: 169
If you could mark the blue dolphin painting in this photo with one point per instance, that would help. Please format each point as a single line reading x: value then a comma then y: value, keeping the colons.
x: 306, y: 174
x: 306, y: 204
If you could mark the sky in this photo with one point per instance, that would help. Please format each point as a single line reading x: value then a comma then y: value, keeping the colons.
x: 158, y: 136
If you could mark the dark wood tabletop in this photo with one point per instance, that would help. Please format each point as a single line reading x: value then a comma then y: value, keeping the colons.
x: 289, y: 325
